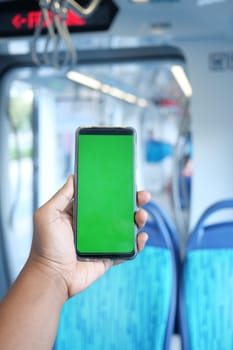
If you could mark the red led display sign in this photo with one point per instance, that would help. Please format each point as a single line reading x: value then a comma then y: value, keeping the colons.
x: 20, y: 18
x: 31, y: 20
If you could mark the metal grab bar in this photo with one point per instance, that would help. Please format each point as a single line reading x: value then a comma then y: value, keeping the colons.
x: 84, y: 11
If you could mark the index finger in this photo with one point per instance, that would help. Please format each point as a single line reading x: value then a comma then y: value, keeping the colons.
x: 143, y: 197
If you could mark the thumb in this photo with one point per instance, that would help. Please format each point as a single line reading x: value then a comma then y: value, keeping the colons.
x: 63, y: 197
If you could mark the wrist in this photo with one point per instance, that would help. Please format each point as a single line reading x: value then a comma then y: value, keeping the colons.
x: 48, y: 275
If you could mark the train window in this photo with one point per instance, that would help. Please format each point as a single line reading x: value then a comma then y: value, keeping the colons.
x: 19, y: 110
x: 46, y: 105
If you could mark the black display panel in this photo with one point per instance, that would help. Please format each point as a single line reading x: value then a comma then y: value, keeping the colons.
x: 20, y: 18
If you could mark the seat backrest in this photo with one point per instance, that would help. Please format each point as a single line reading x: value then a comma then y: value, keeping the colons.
x: 206, y: 293
x: 160, y: 214
x: 131, y: 307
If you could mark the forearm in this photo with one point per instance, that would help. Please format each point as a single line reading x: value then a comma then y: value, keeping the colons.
x: 30, y: 312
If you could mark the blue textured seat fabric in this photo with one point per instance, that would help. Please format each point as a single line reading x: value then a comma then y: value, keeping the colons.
x: 127, y: 309
x: 206, y: 293
x: 208, y: 299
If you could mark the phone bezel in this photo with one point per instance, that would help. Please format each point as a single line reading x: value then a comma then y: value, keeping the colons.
x: 94, y: 130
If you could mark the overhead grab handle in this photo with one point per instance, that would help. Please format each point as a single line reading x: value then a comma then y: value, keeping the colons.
x: 46, y: 20
x: 53, y: 18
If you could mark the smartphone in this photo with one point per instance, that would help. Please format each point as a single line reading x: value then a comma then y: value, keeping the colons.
x: 105, y: 194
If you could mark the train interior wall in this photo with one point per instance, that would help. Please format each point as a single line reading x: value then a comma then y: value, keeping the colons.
x: 212, y: 122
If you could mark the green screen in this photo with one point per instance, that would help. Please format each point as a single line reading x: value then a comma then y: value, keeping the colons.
x: 106, y: 194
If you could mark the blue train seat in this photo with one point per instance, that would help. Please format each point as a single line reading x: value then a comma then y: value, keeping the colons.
x: 131, y: 307
x: 206, y: 294
x: 158, y: 212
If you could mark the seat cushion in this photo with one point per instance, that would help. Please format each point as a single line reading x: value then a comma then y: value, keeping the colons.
x: 208, y: 299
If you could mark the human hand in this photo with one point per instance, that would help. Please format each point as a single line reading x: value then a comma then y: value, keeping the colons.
x: 53, y: 247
